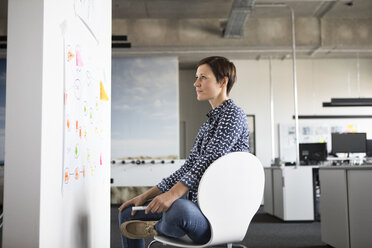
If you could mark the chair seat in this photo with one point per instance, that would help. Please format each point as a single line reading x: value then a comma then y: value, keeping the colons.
x: 185, y: 242
x: 179, y: 242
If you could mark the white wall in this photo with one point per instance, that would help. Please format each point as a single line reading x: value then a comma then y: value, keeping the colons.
x: 319, y: 80
x: 251, y: 93
x: 36, y: 211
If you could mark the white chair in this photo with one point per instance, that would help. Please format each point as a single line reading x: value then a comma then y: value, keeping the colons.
x: 229, y: 195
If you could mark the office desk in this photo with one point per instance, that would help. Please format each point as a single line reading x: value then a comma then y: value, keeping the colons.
x: 289, y: 193
x: 346, y: 206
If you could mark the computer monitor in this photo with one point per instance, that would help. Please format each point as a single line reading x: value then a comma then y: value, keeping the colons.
x: 369, y: 148
x: 313, y: 153
x: 349, y: 142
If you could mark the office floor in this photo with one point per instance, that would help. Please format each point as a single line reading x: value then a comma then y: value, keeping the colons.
x: 265, y: 231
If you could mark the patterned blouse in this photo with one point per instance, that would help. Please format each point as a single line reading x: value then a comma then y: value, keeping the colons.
x: 225, y: 131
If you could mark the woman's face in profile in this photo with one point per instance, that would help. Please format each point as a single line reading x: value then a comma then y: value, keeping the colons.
x: 206, y: 85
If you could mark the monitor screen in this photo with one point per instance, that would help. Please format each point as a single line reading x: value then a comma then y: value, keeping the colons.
x: 369, y: 148
x: 313, y: 152
x: 349, y: 142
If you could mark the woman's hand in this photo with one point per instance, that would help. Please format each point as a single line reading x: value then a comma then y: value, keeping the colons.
x: 136, y: 201
x: 141, y: 199
x: 161, y: 203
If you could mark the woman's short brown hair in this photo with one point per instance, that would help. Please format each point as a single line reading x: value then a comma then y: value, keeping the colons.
x: 221, y: 67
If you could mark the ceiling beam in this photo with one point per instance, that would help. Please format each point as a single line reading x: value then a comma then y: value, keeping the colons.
x: 239, y: 14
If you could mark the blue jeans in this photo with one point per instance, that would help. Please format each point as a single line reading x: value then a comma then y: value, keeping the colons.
x: 182, y: 218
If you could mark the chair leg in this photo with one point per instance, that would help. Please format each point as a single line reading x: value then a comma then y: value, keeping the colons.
x: 152, y: 242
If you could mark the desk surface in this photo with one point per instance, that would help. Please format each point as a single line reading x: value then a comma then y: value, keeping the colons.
x: 324, y: 167
x: 347, y: 167
x: 291, y: 167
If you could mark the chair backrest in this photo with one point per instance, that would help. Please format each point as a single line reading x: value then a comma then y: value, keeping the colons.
x: 230, y: 193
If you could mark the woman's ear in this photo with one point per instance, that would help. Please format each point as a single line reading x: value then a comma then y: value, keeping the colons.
x: 224, y: 81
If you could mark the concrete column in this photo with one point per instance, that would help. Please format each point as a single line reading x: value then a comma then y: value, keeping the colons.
x: 23, y: 124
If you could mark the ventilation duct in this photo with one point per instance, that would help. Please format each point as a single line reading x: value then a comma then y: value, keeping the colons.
x: 239, y: 14
x: 120, y: 41
x: 324, y: 8
x: 3, y: 42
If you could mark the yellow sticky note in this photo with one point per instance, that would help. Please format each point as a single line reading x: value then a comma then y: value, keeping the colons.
x: 103, y: 94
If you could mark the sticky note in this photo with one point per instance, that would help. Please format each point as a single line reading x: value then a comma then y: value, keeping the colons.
x: 66, y: 177
x: 79, y: 60
x: 103, y: 94
x: 70, y: 55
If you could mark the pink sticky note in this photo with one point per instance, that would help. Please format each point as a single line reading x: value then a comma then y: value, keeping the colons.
x: 100, y: 159
x: 79, y: 60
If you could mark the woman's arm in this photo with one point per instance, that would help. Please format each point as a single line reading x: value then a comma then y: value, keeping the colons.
x: 141, y: 199
x: 151, y: 193
x: 162, y: 202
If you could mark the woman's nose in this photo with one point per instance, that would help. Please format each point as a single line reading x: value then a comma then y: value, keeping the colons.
x: 196, y: 83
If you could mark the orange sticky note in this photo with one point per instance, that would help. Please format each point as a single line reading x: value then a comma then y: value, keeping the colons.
x: 68, y: 124
x: 66, y: 176
x: 70, y: 55
x: 103, y: 94
x: 76, y: 174
x: 77, y: 125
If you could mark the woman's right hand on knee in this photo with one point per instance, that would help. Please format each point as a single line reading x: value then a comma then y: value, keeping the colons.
x: 136, y: 201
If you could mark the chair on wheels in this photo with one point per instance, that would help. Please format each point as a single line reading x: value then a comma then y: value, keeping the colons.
x: 229, y: 195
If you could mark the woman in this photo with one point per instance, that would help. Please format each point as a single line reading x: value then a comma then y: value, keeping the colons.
x: 173, y: 210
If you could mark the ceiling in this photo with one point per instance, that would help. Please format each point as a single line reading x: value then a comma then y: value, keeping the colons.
x: 221, y: 8
x: 169, y: 9
x: 210, y: 10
